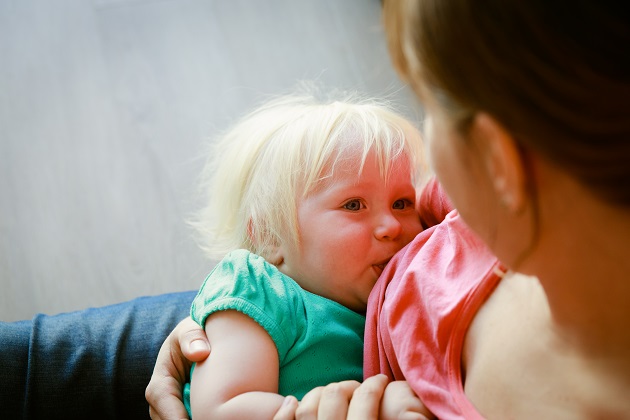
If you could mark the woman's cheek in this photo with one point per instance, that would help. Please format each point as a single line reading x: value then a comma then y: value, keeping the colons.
x: 435, y: 148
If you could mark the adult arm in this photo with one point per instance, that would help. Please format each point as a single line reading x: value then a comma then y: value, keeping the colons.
x: 92, y: 364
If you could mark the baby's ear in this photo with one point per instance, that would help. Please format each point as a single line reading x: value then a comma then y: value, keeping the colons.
x: 275, y: 255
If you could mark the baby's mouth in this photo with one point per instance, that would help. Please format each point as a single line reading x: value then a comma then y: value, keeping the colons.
x: 380, y: 267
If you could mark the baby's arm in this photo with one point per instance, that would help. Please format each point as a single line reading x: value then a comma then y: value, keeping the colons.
x: 240, y: 377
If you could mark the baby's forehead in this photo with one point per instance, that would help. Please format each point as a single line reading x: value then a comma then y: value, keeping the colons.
x: 351, y: 165
x: 349, y: 161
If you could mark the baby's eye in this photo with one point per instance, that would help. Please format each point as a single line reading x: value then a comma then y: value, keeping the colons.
x: 401, y: 204
x: 353, y: 205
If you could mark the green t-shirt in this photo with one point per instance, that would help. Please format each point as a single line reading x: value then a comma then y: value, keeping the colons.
x: 319, y: 341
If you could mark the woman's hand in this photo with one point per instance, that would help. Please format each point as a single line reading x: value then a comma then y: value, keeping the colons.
x: 331, y: 402
x: 375, y: 398
x: 187, y: 343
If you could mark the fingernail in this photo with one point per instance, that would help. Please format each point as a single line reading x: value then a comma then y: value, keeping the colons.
x: 199, y: 345
x: 287, y: 400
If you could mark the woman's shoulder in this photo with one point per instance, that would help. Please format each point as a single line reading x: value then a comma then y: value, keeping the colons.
x: 422, y: 305
x: 433, y: 204
x: 443, y: 262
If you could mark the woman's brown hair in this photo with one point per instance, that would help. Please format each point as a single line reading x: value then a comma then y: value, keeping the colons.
x: 555, y: 74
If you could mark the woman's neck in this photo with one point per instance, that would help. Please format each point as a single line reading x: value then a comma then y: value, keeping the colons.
x: 583, y: 264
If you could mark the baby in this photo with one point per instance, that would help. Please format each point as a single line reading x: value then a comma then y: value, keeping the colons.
x: 309, y: 200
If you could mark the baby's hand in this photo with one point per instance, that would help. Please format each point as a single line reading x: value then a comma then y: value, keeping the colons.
x: 401, y: 403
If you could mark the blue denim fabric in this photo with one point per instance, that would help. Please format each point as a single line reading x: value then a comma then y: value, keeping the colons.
x: 90, y: 364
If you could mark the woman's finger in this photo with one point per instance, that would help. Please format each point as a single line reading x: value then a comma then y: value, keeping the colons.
x: 192, y: 340
x: 307, y: 409
x: 167, y: 402
x: 366, y: 399
x: 287, y: 409
x: 328, y: 402
x: 335, y: 399
x: 185, y: 344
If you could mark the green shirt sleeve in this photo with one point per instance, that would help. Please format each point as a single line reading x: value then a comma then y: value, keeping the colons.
x: 245, y: 282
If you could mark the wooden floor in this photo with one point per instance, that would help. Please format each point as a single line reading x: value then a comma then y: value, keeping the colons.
x: 105, y: 106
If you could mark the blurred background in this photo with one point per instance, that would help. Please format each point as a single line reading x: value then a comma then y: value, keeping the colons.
x: 106, y: 107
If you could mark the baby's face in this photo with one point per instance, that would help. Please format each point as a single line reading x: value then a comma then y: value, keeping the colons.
x: 350, y: 227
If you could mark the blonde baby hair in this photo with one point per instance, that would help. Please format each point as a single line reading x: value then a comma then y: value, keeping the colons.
x: 260, y: 168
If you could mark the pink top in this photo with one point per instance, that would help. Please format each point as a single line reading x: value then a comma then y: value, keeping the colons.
x: 422, y: 305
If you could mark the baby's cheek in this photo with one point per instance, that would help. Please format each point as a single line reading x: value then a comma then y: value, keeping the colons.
x: 413, y: 228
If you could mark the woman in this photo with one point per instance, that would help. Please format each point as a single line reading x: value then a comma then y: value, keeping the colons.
x: 528, y: 123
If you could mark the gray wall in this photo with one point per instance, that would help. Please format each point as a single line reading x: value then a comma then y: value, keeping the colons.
x: 105, y: 106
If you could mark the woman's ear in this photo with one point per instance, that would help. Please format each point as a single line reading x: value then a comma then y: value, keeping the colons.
x: 503, y: 161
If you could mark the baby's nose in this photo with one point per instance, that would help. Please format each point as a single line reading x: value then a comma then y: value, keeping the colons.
x: 387, y: 227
